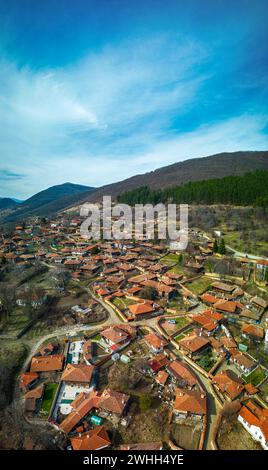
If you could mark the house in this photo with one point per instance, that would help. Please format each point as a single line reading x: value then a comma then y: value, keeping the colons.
x: 259, y: 302
x: 229, y: 384
x: 94, y: 439
x: 78, y: 374
x: 181, y: 373
x: 162, y: 377
x: 48, y: 349
x: 141, y: 309
x: 209, y: 299
x: 194, y: 344
x: 252, y: 332
x: 27, y: 380
x: 206, y: 322
x: 118, y: 336
x: 47, y: 363
x: 255, y: 421
x: 226, y: 306
x: 222, y: 287
x: 80, y: 406
x: 35, y: 299
x: 189, y: 403
x: 32, y: 397
x: 155, y: 342
x: 245, y: 363
x: 113, y: 402
x: 158, y: 362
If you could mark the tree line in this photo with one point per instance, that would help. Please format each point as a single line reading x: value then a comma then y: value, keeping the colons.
x: 249, y: 189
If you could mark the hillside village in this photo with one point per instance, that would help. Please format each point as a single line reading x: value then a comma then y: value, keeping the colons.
x: 134, y: 345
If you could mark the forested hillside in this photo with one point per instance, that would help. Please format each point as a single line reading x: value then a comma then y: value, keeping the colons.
x: 249, y: 189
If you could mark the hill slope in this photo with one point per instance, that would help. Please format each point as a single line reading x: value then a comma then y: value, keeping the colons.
x: 49, y: 201
x: 7, y: 203
x: 195, y: 169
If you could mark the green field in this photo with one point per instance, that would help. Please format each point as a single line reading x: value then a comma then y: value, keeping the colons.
x: 199, y: 286
x: 182, y: 335
x: 170, y: 259
x: 181, y: 321
x: 49, y: 394
x: 255, y: 377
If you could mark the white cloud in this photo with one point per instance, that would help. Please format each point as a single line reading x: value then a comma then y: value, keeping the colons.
x: 108, y: 116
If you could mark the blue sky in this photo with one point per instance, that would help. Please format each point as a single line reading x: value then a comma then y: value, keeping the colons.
x: 93, y: 92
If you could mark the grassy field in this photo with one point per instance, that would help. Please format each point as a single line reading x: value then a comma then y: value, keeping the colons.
x: 49, y: 394
x: 122, y: 302
x: 170, y: 259
x: 255, y: 377
x: 182, y: 335
x: 199, y: 286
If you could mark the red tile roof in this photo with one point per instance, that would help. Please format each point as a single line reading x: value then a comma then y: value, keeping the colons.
x: 155, y: 341
x: 47, y: 363
x: 190, y: 401
x: 80, y: 373
x: 94, y: 439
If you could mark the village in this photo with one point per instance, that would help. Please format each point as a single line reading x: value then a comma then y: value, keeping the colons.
x: 134, y: 345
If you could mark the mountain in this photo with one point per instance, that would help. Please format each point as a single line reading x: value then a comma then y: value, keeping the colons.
x: 48, y: 202
x: 194, y: 169
x: 7, y: 203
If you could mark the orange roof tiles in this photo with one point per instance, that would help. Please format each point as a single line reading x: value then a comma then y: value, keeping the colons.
x: 141, y: 308
x: 80, y: 373
x: 181, y: 371
x: 155, y: 341
x: 94, y: 439
x: 190, y: 401
x: 27, y: 378
x: 193, y: 343
x: 252, y: 330
x: 47, y: 363
x: 229, y: 383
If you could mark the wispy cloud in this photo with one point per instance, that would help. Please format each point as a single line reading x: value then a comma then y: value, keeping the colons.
x: 112, y: 115
x: 7, y: 175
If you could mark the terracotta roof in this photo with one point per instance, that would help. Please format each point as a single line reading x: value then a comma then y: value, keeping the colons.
x: 82, y: 405
x: 27, y: 378
x: 193, y: 343
x: 252, y: 330
x: 255, y: 416
x: 141, y: 308
x: 250, y: 389
x: 162, y: 377
x: 205, y: 322
x: 47, y: 363
x: 113, y: 401
x: 81, y: 373
x: 94, y: 439
x: 213, y: 315
x: 36, y: 392
x: 210, y: 299
x: 226, y: 306
x: 190, y: 401
x: 179, y: 370
x: 115, y: 334
x: 154, y: 341
x: 244, y: 360
x: 229, y: 383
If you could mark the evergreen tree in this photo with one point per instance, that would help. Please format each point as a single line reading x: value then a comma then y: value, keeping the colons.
x: 215, y: 246
x: 221, y: 248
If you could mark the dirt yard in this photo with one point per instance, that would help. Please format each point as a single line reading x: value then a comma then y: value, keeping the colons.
x: 232, y: 436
